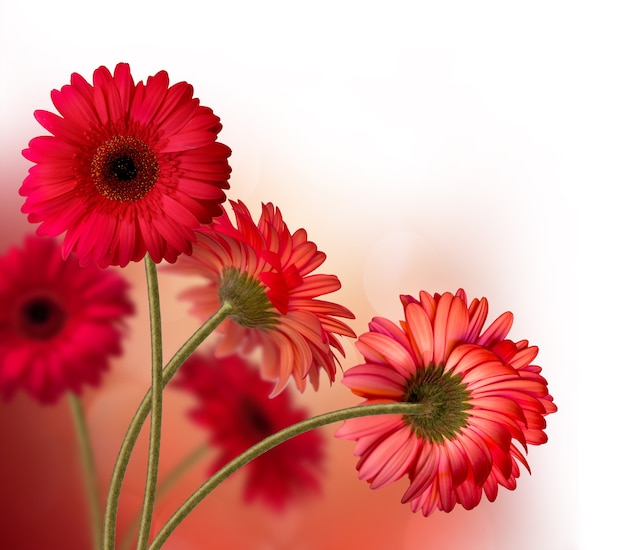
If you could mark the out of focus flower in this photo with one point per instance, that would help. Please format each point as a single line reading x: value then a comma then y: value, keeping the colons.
x: 130, y: 168
x: 265, y: 273
x: 480, y: 394
x: 233, y: 404
x: 59, y: 323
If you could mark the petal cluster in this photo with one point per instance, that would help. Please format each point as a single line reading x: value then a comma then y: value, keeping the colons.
x: 232, y: 404
x: 59, y: 323
x: 300, y: 335
x: 449, y: 458
x: 130, y: 168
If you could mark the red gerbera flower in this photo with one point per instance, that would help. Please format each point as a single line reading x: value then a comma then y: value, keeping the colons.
x: 130, y: 168
x: 233, y: 405
x: 265, y: 272
x: 480, y: 394
x: 59, y: 322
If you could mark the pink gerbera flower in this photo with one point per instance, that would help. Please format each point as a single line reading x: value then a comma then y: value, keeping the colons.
x: 265, y: 273
x: 480, y: 394
x: 59, y: 322
x: 130, y: 168
x: 233, y: 405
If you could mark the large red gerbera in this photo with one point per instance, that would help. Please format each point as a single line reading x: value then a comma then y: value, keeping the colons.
x: 59, y: 322
x: 265, y: 272
x: 233, y: 405
x: 130, y: 168
x: 479, y: 390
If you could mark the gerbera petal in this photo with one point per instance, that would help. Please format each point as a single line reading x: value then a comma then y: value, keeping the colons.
x: 420, y: 332
x: 390, y: 460
x: 74, y: 107
x: 478, y: 310
x: 497, y: 330
x: 457, y: 464
x: 369, y: 426
x: 424, y: 470
x: 379, y: 348
x: 372, y: 381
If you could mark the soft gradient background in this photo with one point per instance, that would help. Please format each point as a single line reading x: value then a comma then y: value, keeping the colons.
x: 424, y: 145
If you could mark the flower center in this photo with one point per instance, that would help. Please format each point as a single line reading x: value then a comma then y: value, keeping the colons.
x: 445, y: 396
x: 248, y: 298
x: 41, y: 318
x: 256, y: 417
x: 124, y: 168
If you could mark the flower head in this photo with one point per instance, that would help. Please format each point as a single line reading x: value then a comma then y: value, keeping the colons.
x: 479, y: 391
x: 265, y: 273
x: 59, y: 322
x: 233, y: 404
x: 130, y: 168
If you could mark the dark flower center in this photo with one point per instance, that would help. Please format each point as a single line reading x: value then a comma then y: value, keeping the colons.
x: 256, y: 417
x: 41, y: 318
x: 124, y: 168
x: 446, y: 400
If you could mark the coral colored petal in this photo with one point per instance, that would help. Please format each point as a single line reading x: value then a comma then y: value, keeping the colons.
x: 382, y: 349
x: 371, y: 381
x: 420, y: 333
x: 389, y: 460
x: 477, y: 454
x: 497, y: 330
x: 478, y: 311
x: 425, y: 469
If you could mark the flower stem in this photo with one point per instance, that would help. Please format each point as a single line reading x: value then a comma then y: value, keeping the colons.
x: 269, y: 443
x: 126, y: 448
x: 168, y: 482
x: 156, y: 402
x: 89, y: 468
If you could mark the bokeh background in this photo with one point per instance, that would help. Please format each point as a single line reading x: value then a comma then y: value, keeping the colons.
x: 423, y: 145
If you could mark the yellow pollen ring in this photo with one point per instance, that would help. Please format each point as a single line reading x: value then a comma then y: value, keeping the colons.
x: 124, y: 168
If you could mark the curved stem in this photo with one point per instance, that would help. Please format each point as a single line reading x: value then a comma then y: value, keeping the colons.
x: 270, y: 442
x: 168, y: 482
x: 126, y: 448
x: 156, y: 403
x: 89, y: 468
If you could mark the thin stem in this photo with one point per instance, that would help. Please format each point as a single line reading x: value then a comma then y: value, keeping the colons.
x: 156, y: 402
x: 166, y: 484
x: 89, y: 468
x: 269, y: 443
x: 126, y: 448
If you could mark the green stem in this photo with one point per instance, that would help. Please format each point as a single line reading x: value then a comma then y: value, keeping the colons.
x: 89, y: 468
x: 271, y: 442
x: 168, y: 482
x: 156, y: 402
x: 126, y: 448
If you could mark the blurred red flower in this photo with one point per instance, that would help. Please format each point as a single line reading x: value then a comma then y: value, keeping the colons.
x: 59, y: 322
x: 233, y: 404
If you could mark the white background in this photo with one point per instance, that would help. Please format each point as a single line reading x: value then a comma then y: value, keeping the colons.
x: 423, y: 145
